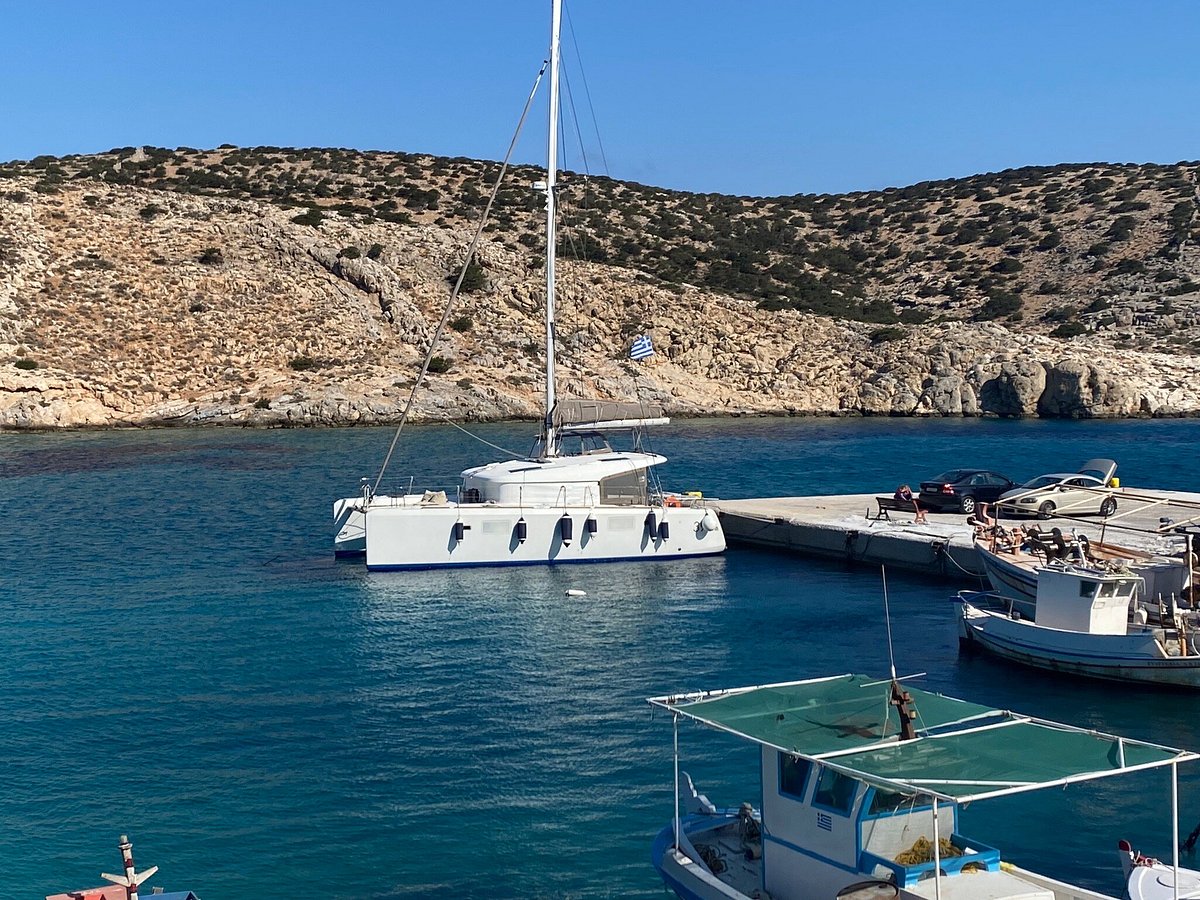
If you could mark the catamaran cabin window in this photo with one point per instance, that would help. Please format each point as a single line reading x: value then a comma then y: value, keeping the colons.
x: 834, y: 791
x: 793, y: 775
x: 627, y: 489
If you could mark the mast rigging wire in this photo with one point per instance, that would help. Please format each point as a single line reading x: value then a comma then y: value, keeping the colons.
x: 437, y: 334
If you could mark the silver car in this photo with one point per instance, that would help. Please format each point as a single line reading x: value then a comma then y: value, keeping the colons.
x: 1090, y: 490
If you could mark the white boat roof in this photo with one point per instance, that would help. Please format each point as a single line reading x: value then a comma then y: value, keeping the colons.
x: 565, y: 469
x: 962, y: 751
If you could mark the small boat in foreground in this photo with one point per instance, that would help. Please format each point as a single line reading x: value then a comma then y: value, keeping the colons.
x: 1086, y: 622
x: 862, y: 781
x: 1148, y: 879
x: 125, y: 886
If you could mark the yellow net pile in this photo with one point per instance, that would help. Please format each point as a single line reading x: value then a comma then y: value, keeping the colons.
x: 922, y: 852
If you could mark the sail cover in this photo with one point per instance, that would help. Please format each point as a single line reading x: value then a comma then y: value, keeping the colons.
x: 582, y: 415
x: 963, y: 751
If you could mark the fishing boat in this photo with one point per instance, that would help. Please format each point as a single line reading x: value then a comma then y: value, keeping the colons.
x: 1147, y: 878
x: 1086, y: 621
x: 1012, y: 566
x: 573, y: 499
x: 126, y: 885
x: 862, y: 783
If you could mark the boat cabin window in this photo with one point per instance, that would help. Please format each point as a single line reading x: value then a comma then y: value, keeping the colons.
x: 1086, y: 588
x: 835, y: 791
x: 628, y: 488
x: 793, y: 775
x: 1108, y: 590
x: 884, y: 802
x: 582, y: 443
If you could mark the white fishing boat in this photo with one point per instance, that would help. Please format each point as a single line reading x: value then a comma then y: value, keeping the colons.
x: 1012, y: 566
x: 862, y: 782
x: 1086, y: 621
x: 574, y: 499
x: 1147, y: 878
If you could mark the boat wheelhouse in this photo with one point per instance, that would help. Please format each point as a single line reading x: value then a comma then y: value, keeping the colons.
x: 862, y: 781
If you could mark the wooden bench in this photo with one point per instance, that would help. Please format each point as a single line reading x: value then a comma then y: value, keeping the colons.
x: 890, y: 505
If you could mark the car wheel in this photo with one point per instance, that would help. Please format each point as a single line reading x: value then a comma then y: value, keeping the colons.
x: 1108, y: 507
x: 967, y: 505
x: 1046, y: 510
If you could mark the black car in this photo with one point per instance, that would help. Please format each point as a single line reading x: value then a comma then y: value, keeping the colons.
x: 959, y: 490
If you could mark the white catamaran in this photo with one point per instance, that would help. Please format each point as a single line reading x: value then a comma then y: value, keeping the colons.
x: 862, y: 781
x: 575, y: 499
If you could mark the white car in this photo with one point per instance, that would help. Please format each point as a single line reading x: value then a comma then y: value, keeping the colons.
x: 1090, y: 490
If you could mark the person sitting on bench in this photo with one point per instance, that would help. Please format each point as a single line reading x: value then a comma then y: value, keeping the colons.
x: 904, y: 494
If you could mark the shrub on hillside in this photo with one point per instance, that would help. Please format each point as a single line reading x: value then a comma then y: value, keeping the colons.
x: 302, y: 363
x: 212, y: 256
x: 887, y: 333
x: 439, y: 365
x: 312, y: 216
x: 1068, y: 330
x: 473, y: 279
x: 463, y: 323
x: 150, y: 211
x: 27, y: 364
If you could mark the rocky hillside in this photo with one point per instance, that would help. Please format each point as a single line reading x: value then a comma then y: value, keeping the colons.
x: 302, y: 286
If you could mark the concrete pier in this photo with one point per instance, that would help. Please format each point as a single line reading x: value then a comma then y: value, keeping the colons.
x: 842, y: 527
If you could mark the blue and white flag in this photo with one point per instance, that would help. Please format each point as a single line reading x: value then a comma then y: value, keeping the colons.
x: 642, y: 348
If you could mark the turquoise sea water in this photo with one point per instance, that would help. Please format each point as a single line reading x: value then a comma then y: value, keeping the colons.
x: 184, y: 661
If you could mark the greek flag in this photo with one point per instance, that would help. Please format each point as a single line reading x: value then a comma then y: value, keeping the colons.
x: 825, y: 821
x: 642, y: 348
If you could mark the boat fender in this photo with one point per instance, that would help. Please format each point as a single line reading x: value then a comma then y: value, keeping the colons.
x: 590, y: 525
x: 651, y: 522
x: 460, y: 531
x: 567, y: 529
x: 574, y: 592
x: 522, y: 530
x: 664, y: 530
x: 710, y: 522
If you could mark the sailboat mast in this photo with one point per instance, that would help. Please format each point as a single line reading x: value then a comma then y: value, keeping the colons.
x: 550, y: 444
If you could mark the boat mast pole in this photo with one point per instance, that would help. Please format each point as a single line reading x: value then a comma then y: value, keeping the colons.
x: 937, y: 854
x: 550, y: 444
x: 676, y: 723
x: 1175, y: 829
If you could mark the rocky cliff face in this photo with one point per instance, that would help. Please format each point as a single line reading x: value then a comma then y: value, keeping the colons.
x: 125, y: 306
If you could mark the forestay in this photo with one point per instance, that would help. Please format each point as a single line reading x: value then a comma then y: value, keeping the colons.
x: 963, y: 751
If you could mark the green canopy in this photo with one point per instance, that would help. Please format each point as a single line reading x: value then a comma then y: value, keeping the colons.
x: 962, y: 751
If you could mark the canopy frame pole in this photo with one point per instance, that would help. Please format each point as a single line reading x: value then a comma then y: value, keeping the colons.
x: 675, y: 720
x: 937, y: 855
x: 1175, y: 829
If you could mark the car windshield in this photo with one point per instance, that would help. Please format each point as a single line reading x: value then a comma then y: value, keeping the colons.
x: 952, y: 476
x: 1042, y: 481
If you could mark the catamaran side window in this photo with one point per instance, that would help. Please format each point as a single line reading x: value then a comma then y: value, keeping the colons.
x: 835, y: 791
x: 793, y: 775
x: 628, y: 488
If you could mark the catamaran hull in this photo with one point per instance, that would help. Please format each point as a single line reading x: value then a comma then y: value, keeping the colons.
x: 1126, y: 658
x: 399, y: 534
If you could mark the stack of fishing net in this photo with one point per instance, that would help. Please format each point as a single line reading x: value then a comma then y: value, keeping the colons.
x: 922, y: 852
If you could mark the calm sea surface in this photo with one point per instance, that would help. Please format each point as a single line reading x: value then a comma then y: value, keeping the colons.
x: 183, y: 660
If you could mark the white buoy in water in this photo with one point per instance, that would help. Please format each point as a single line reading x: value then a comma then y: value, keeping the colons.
x: 572, y: 592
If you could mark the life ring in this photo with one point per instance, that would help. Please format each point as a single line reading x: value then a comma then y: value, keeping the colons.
x: 672, y: 501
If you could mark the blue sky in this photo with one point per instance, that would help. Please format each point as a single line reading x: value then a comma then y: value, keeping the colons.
x: 738, y: 97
